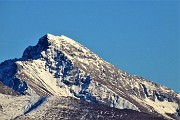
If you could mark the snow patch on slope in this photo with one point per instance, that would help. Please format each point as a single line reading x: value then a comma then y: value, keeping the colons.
x: 13, y: 106
x: 163, y: 107
x: 42, y: 77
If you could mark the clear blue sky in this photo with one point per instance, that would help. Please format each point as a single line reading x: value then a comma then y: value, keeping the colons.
x: 138, y: 36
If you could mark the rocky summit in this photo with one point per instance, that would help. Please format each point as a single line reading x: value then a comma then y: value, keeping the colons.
x: 61, y: 79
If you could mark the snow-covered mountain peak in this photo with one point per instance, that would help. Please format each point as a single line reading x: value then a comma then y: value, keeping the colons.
x: 50, y: 44
x: 49, y: 39
x: 60, y: 66
x: 45, y: 43
x: 54, y: 40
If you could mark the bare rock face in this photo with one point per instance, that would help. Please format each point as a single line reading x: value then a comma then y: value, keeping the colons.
x: 58, y: 66
x: 72, y: 109
x: 7, y: 91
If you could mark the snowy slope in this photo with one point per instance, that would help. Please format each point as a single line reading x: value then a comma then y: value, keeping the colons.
x: 59, y: 66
